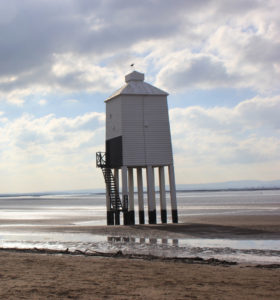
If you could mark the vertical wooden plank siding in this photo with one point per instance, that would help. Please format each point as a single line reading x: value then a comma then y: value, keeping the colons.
x: 146, y: 131
x: 157, y: 132
x: 132, y: 128
x: 113, y: 118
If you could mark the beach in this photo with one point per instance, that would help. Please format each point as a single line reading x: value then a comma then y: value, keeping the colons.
x: 41, y: 276
x: 80, y: 275
x: 226, y: 245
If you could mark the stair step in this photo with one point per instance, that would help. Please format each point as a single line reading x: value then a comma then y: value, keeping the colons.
x: 112, y: 188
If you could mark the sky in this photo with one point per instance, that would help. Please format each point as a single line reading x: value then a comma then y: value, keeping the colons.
x: 59, y: 60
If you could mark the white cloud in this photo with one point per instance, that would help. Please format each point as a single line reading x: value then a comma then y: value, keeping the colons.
x: 72, y: 72
x: 260, y: 113
x: 7, y: 79
x: 42, y: 102
x: 246, y: 138
x: 72, y: 101
x: 238, y: 48
x: 49, y: 151
x: 200, y: 44
x: 73, y: 47
x: 210, y: 144
x: 185, y: 70
x: 17, y: 96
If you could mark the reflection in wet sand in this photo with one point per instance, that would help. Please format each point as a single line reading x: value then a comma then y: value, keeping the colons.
x: 259, y: 251
x: 148, y: 241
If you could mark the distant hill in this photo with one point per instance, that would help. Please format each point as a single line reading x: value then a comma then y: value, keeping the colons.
x: 228, y: 185
x: 241, y: 184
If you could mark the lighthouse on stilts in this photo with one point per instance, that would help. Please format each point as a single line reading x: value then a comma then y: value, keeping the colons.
x: 137, y: 138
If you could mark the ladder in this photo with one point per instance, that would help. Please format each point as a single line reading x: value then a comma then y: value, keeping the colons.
x: 116, y: 204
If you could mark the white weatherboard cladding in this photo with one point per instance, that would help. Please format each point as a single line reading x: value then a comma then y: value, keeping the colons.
x: 157, y: 131
x: 145, y: 131
x: 113, y: 118
x: 133, y: 131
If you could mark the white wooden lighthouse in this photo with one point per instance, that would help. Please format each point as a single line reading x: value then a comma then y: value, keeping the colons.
x: 137, y: 137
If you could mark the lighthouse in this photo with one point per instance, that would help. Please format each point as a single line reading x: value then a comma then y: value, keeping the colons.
x: 138, y: 140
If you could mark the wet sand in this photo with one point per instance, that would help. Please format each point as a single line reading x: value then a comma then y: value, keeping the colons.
x: 62, y: 276
x: 229, y: 227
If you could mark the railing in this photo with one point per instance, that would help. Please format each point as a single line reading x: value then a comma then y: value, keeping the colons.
x: 101, y: 159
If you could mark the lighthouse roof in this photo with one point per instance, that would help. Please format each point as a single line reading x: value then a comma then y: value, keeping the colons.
x: 135, y: 85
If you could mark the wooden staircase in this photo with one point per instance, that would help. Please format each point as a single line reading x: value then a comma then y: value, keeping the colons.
x: 116, y: 204
x: 115, y: 201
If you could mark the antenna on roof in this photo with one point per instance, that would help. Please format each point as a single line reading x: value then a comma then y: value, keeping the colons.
x: 132, y: 66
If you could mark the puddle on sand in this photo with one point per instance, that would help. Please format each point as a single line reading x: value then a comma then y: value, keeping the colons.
x: 251, y: 251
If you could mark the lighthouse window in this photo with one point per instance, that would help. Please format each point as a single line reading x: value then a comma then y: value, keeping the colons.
x: 110, y: 116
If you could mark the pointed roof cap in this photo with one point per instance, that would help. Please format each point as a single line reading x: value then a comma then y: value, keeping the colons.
x: 135, y: 85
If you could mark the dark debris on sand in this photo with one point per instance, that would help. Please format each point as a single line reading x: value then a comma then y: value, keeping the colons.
x: 120, y: 254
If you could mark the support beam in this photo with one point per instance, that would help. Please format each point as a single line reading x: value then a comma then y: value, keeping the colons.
x: 162, y: 194
x: 151, y: 195
x: 173, y: 193
x: 117, y: 218
x: 131, y: 214
x: 110, y: 214
x: 117, y: 214
x: 124, y: 193
x: 116, y: 175
x: 140, y: 196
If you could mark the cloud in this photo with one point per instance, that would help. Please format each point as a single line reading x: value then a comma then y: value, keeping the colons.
x: 49, y: 153
x: 185, y: 70
x: 71, y: 72
x: 42, y: 102
x: 260, y: 113
x: 238, y: 48
x: 252, y: 55
x: 88, y: 45
x: 35, y: 36
x: 220, y: 143
x: 247, y: 134
x: 210, y: 144
x: 50, y: 137
x: 72, y: 101
x: 71, y: 48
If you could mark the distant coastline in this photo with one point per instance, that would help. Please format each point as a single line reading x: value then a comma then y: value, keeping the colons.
x: 230, y: 190
x: 89, y: 193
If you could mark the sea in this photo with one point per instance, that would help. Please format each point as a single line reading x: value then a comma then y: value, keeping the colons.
x: 32, y: 221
